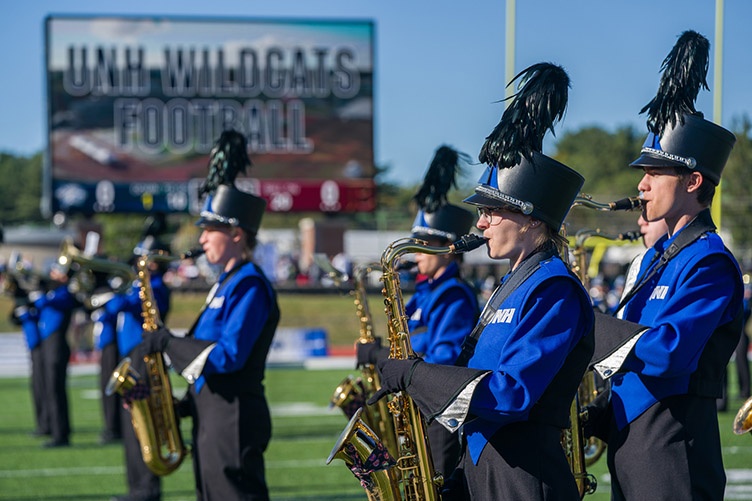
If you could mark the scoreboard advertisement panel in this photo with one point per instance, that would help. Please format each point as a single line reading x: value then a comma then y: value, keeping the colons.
x: 135, y: 105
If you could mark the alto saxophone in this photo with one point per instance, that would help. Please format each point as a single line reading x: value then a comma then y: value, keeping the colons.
x: 411, y: 475
x: 580, y: 452
x: 352, y: 393
x: 154, y: 419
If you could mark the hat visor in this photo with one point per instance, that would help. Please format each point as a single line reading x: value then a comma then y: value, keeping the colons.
x: 204, y: 222
x: 482, y: 201
x: 648, y: 160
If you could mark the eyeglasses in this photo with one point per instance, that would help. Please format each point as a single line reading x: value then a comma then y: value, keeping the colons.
x: 490, y: 215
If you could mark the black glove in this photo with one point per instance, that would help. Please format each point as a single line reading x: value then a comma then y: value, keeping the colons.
x: 157, y: 340
x: 13, y: 318
x: 183, y: 406
x: 153, y: 342
x: 597, y: 417
x: 367, y: 353
x: 395, y: 376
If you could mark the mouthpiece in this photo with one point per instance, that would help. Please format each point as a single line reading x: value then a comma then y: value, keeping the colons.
x: 630, y: 235
x: 467, y: 243
x: 626, y: 204
x: 192, y: 253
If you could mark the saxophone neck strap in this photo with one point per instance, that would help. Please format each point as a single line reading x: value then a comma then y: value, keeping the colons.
x: 502, y: 292
x: 699, y: 226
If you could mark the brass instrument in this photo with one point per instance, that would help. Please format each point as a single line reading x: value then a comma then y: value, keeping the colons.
x: 416, y: 478
x: 582, y: 453
x: 588, y: 390
x: 154, y: 419
x: 743, y: 419
x: 70, y: 256
x: 352, y: 393
x: 629, y: 203
x: 369, y: 460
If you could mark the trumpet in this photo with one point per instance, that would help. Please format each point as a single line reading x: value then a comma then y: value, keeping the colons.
x: 70, y: 256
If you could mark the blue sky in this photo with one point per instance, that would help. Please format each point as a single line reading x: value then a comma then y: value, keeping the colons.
x: 439, y: 65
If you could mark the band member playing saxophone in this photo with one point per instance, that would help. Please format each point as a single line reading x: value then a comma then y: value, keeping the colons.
x: 444, y: 307
x: 512, y: 387
x: 223, y: 356
x: 123, y: 311
x: 685, y: 307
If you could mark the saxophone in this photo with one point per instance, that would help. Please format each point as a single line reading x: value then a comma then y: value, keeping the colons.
x: 588, y: 390
x: 409, y: 476
x: 154, y: 419
x: 352, y: 393
x: 580, y: 452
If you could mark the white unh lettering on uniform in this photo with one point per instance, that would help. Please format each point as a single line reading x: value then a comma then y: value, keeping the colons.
x: 416, y: 314
x: 503, y: 316
x: 659, y: 292
x: 217, y: 302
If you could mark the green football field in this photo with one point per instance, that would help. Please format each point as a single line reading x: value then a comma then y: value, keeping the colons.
x: 305, y: 429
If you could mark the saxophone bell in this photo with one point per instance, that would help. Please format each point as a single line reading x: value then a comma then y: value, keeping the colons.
x: 743, y: 419
x: 368, y: 459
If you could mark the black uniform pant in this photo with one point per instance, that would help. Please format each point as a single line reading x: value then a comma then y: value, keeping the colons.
x: 56, y: 354
x: 230, y: 434
x: 38, y: 394
x: 112, y: 404
x: 672, y: 451
x: 521, y: 461
x: 142, y: 483
x: 742, y: 366
x: 445, y: 448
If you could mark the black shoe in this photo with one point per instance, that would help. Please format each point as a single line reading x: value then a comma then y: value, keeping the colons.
x: 56, y: 443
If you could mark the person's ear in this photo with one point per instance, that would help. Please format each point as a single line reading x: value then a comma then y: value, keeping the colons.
x: 694, y: 181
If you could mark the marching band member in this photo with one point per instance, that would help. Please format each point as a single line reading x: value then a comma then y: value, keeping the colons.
x: 127, y: 308
x: 661, y: 423
x: 52, y: 311
x: 224, y: 354
x: 511, y: 393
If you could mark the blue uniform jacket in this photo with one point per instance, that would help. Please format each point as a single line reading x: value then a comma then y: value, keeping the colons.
x: 29, y: 318
x: 524, y: 346
x: 54, y: 309
x: 129, y: 321
x: 105, y: 321
x: 234, y: 319
x: 441, y: 314
x: 697, y: 291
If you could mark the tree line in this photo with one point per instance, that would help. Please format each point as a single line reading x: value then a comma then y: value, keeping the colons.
x: 602, y: 157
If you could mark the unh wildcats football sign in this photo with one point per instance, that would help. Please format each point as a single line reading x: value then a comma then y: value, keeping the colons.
x: 135, y: 105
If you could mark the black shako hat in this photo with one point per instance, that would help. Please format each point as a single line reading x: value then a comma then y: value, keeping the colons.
x: 679, y: 135
x: 436, y: 217
x: 226, y: 205
x: 519, y: 174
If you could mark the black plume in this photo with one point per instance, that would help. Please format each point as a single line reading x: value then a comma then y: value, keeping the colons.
x: 227, y: 159
x: 155, y: 225
x: 439, y: 179
x: 540, y: 101
x: 685, y: 72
